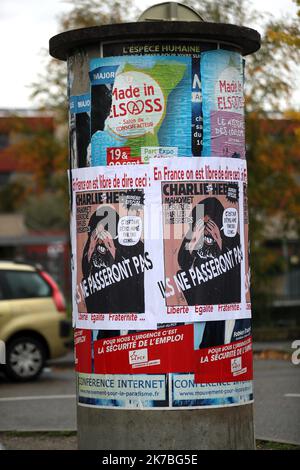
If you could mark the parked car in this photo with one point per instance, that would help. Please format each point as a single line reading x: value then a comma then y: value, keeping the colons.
x: 33, y: 320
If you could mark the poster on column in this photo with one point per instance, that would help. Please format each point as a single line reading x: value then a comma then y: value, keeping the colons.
x: 247, y: 247
x: 176, y: 366
x: 172, y: 47
x: 142, y: 108
x: 223, y: 104
x: 197, y: 235
x: 110, y: 255
x: 83, y: 350
x: 225, y: 352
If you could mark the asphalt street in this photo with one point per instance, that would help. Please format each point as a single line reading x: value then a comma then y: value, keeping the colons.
x: 49, y: 404
x: 277, y: 401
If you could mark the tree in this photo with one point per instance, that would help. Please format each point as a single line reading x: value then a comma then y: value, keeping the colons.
x: 50, y: 89
x: 42, y: 151
x: 39, y: 156
x: 37, y: 149
x: 46, y: 213
x: 270, y: 71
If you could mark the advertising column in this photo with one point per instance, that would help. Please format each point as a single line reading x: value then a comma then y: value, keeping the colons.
x: 167, y: 307
x: 159, y: 231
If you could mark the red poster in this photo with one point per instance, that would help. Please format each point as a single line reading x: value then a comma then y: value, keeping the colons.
x: 83, y: 350
x: 121, y: 156
x: 227, y: 363
x: 160, y: 351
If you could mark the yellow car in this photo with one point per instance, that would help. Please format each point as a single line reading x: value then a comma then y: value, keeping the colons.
x: 33, y: 322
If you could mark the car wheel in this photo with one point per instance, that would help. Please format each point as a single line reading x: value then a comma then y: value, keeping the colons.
x: 25, y: 358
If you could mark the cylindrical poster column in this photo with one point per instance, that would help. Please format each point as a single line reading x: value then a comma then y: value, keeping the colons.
x: 159, y: 228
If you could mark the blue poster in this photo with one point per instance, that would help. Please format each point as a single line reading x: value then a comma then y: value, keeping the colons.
x: 79, y: 125
x: 223, y: 104
x: 141, y: 107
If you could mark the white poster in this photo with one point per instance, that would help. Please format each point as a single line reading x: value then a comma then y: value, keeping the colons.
x: 110, y: 256
x: 160, y: 243
x: 196, y: 233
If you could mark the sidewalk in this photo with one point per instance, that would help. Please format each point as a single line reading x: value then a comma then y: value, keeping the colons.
x: 68, y: 441
x: 38, y: 441
x: 65, y: 361
x: 282, y: 346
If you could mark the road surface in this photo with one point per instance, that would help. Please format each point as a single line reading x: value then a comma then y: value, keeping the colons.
x: 277, y: 401
x: 47, y: 404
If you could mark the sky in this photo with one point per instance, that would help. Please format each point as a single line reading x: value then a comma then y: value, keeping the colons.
x: 25, y: 29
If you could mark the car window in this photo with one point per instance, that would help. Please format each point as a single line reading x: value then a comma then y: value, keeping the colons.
x: 25, y: 285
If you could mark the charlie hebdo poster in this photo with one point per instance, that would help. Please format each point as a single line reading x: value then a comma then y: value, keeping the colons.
x: 111, y: 258
x: 199, y: 240
x: 162, y: 243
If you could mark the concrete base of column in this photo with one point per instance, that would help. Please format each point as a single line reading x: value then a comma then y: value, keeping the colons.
x: 218, y: 428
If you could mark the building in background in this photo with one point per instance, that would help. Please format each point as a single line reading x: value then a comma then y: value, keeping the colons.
x: 279, y: 184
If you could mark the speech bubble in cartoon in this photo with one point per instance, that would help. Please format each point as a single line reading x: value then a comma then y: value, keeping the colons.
x: 230, y: 222
x: 130, y: 230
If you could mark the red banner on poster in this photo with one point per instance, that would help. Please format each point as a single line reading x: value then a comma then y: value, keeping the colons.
x: 160, y: 351
x: 227, y: 363
x: 121, y: 156
x: 83, y: 350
